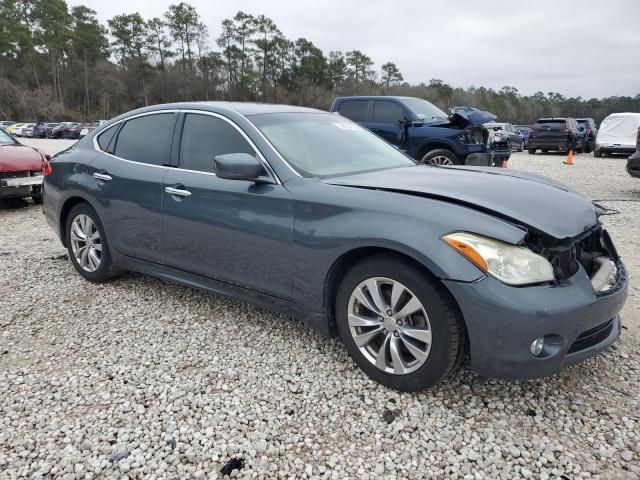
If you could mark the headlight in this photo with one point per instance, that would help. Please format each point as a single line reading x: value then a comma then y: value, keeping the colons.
x: 510, y: 264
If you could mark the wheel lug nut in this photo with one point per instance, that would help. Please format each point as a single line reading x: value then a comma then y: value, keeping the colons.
x: 380, y: 319
x: 399, y: 322
x: 385, y: 331
x: 396, y: 334
x: 389, y: 312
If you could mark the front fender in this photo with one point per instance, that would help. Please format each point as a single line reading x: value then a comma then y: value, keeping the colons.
x: 331, y: 221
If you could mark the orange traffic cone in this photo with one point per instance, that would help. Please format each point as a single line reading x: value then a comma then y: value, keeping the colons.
x: 569, y: 160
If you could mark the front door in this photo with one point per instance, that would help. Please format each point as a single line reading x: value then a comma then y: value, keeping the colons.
x: 235, y: 231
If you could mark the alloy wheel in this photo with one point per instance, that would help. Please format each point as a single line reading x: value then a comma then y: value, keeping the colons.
x: 389, y: 325
x: 86, y: 243
x: 440, y: 160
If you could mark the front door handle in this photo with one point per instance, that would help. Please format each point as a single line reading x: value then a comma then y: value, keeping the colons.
x: 177, y: 191
x: 102, y: 176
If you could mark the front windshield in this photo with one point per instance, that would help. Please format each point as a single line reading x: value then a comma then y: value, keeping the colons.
x: 495, y: 126
x: 5, y: 139
x: 423, y: 109
x: 324, y: 145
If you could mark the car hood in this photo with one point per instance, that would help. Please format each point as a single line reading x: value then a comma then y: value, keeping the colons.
x: 523, y: 198
x: 464, y: 117
x: 17, y: 158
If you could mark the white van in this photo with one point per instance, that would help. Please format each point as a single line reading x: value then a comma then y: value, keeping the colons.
x: 617, y: 134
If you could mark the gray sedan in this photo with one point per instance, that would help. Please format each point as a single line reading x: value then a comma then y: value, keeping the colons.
x: 307, y: 213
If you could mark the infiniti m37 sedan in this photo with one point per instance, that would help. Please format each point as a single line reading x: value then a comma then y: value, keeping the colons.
x: 305, y: 212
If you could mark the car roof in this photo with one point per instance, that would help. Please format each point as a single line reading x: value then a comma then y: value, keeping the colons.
x: 625, y: 114
x: 243, y: 108
x: 379, y: 97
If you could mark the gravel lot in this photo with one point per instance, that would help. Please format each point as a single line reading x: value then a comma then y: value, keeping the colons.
x: 139, y: 378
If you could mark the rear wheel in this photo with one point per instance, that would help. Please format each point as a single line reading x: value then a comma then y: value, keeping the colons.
x: 87, y: 244
x: 399, y: 325
x: 532, y: 151
x: 440, y: 156
x: 597, y: 153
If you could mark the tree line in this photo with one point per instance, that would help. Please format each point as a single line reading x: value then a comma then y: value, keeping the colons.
x: 61, y: 63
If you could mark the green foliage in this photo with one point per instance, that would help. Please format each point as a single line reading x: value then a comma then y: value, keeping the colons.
x: 60, y: 63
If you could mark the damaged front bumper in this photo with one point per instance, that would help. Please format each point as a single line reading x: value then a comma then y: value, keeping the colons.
x: 502, y: 322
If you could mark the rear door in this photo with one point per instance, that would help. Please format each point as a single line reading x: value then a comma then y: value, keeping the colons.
x: 355, y: 110
x: 235, y: 231
x: 387, y: 121
x: 126, y: 181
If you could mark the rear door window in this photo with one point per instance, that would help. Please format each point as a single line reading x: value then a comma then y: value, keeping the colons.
x: 146, y: 139
x: 204, y: 137
x: 552, y: 123
x: 387, y: 112
x: 355, y: 110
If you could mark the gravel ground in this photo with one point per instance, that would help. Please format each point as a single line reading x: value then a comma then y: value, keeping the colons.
x: 138, y: 378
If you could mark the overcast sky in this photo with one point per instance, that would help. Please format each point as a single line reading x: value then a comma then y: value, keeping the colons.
x: 588, y: 48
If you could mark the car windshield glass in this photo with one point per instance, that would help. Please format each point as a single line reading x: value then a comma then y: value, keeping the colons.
x: 495, y: 126
x: 324, y: 145
x: 423, y: 109
x: 5, y: 138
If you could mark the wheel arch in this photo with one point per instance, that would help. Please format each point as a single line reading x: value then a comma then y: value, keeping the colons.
x: 68, y: 204
x: 435, y: 144
x: 352, y: 257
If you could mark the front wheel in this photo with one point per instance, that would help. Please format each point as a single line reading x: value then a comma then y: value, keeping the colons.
x: 398, y: 324
x: 87, y: 245
x: 532, y: 151
x: 441, y: 157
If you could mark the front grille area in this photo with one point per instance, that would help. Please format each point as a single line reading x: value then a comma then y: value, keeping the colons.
x: 567, y: 256
x: 501, y: 147
x: 591, y: 337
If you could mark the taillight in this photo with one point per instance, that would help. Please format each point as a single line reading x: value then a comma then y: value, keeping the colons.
x: 589, y: 132
x: 46, y: 168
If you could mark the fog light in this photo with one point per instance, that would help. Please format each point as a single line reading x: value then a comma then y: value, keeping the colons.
x: 536, y: 346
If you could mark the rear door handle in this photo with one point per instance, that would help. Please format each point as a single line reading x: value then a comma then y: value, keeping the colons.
x: 177, y: 191
x: 102, y: 176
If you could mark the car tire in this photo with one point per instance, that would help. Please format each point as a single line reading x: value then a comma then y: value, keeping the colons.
x: 418, y: 354
x: 36, y: 195
x: 532, y: 151
x: 587, y: 148
x: 440, y: 157
x: 94, y: 261
x: 597, y: 153
x: 521, y: 148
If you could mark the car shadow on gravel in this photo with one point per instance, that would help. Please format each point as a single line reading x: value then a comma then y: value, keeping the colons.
x: 14, y: 203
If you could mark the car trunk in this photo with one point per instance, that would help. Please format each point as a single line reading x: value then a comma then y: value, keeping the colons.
x: 552, y: 132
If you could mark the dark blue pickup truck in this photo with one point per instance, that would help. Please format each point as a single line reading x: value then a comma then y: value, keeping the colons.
x: 423, y: 130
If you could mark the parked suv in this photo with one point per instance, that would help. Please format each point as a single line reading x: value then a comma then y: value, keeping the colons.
x: 560, y: 134
x: 421, y: 129
x: 633, y: 164
x: 588, y: 125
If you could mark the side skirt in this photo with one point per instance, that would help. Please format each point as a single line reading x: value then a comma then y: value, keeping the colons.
x: 234, y: 292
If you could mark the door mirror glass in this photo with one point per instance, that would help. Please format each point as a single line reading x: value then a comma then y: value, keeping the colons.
x: 237, y: 166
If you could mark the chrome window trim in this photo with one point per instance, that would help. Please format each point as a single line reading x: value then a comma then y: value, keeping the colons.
x: 263, y: 160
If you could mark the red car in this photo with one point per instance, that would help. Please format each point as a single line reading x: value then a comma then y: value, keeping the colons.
x: 20, y: 169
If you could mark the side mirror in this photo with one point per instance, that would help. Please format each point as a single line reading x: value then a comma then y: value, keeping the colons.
x: 237, y: 166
